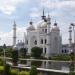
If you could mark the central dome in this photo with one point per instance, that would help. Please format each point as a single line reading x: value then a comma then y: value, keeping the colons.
x: 42, y: 24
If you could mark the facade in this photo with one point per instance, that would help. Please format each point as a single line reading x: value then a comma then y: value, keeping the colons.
x: 44, y: 36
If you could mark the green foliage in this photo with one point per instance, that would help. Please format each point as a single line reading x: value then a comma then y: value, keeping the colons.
x: 9, y: 52
x: 72, y: 73
x: 14, y: 72
x: 1, y: 51
x: 1, y: 62
x: 23, y: 52
x: 33, y: 71
x: 36, y: 63
x: 7, y: 69
x: 72, y: 66
x: 60, y: 57
x: 22, y: 73
x: 36, y: 52
x: 15, y: 57
x: 1, y: 69
x: 23, y: 61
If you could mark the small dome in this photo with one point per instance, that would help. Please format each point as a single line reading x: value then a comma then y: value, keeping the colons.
x: 31, y: 27
x: 42, y: 24
x: 55, y: 27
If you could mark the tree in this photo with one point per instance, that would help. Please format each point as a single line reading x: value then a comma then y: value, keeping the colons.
x: 23, y: 52
x: 1, y: 51
x: 9, y: 52
x: 36, y: 52
x: 33, y: 71
x: 7, y: 69
x: 15, y: 57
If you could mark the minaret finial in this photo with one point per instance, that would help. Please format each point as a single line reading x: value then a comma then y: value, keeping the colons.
x: 48, y: 15
x: 43, y: 12
x: 43, y: 16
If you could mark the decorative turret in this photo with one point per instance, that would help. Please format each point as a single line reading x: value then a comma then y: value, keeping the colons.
x: 48, y: 35
x: 48, y: 23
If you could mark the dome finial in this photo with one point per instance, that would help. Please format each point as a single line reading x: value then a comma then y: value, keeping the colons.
x: 55, y: 24
x: 31, y: 22
x: 48, y: 15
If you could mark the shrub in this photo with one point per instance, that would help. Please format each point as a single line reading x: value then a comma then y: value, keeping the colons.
x: 33, y: 71
x: 36, y: 63
x: 1, y: 62
x: 1, y: 69
x: 72, y: 73
x: 14, y: 72
x: 22, y: 73
x: 60, y: 57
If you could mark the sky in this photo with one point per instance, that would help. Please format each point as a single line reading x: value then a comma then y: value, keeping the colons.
x: 23, y: 11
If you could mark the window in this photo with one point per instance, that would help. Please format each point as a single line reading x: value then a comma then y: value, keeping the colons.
x: 45, y: 30
x: 41, y: 48
x: 45, y: 50
x: 27, y: 41
x: 62, y: 51
x: 35, y: 42
x: 65, y: 51
x: 45, y: 41
x: 41, y: 41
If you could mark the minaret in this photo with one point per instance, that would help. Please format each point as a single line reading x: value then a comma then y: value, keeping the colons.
x: 48, y: 35
x: 73, y: 25
x: 24, y: 39
x: 14, y: 34
x: 70, y: 38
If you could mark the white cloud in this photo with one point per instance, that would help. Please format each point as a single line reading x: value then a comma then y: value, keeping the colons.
x: 57, y: 3
x: 35, y: 13
x: 9, y: 6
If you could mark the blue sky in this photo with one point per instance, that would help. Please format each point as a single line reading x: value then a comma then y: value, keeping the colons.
x: 22, y: 11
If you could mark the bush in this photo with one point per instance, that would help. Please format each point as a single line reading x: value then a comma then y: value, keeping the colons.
x: 22, y: 73
x: 14, y: 72
x: 1, y: 69
x: 72, y: 73
x: 1, y: 62
x: 33, y: 71
x: 36, y: 63
x: 60, y: 57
